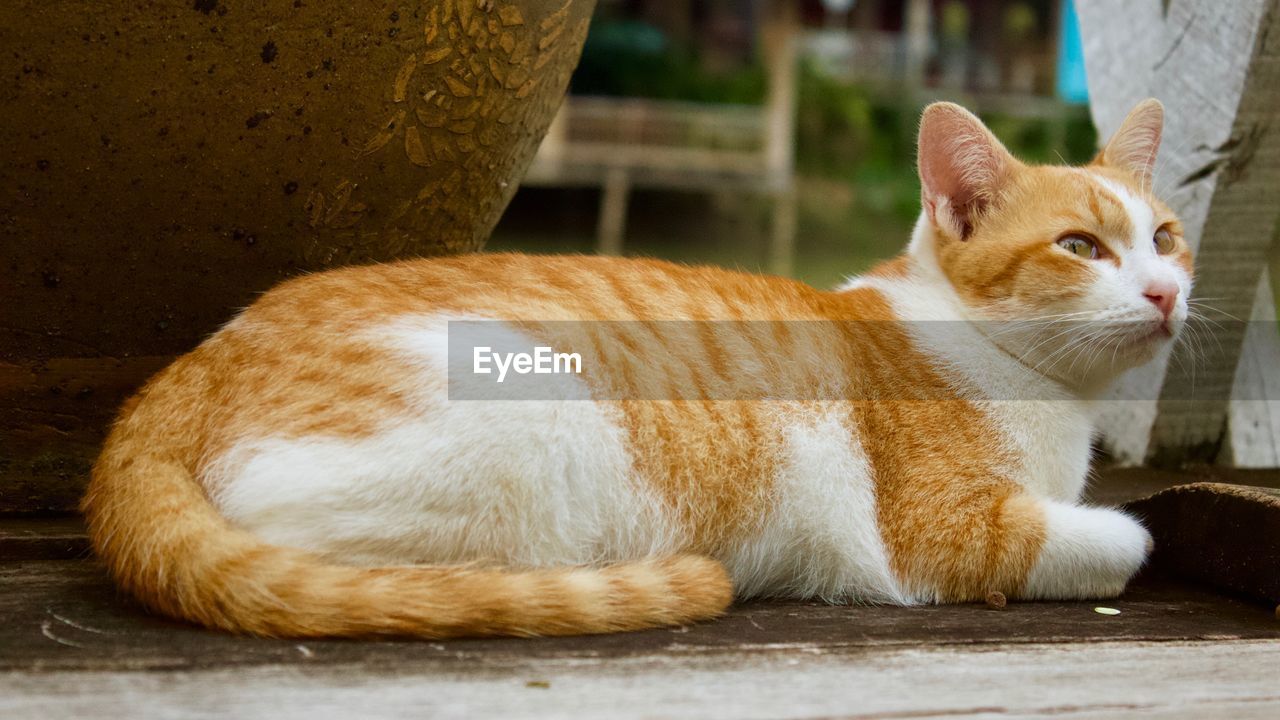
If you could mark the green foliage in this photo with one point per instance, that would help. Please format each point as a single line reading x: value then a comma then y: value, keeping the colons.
x: 633, y: 59
x: 843, y: 127
x: 1070, y: 139
x: 846, y: 135
x: 855, y: 157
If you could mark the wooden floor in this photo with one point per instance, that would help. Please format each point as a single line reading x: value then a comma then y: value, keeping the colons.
x: 70, y: 646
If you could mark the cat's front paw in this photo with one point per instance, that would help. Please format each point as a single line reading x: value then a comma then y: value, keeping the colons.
x: 1087, y: 553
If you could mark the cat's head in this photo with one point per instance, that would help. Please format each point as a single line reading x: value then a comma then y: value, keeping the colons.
x: 1081, y: 272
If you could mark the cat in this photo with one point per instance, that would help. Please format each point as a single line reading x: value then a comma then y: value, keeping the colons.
x: 921, y: 434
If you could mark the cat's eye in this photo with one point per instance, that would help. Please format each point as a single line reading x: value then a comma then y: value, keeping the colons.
x: 1079, y: 245
x: 1165, y: 242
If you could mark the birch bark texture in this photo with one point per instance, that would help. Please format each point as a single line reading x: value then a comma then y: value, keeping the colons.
x: 1216, y: 67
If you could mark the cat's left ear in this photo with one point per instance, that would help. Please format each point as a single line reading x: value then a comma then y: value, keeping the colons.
x: 962, y: 167
x: 1135, y: 144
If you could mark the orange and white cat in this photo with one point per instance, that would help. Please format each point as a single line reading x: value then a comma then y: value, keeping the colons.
x: 305, y: 472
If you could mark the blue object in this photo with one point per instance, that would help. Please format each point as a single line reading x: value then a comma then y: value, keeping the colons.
x: 1072, y: 84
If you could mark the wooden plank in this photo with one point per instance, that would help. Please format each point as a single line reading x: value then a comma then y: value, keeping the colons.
x: 53, y: 416
x: 699, y: 161
x: 56, y: 538
x: 1224, y: 535
x: 1078, y: 680
x: 612, y: 224
x: 778, y: 42
x: 919, y: 34
x: 1119, y: 485
x: 782, y: 234
x: 1216, y: 66
x: 94, y: 628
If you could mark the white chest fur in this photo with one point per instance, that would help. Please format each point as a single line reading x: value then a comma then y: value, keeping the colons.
x: 1045, y: 428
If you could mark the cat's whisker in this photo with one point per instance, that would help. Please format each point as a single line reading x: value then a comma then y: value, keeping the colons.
x: 1039, y: 318
x: 1096, y: 345
x: 1194, y: 313
x: 1050, y: 360
x: 1189, y: 354
x: 1018, y: 327
x: 1193, y: 333
x: 1195, y: 330
x: 1200, y: 347
x: 1098, y: 349
x: 1115, y: 351
x: 1084, y: 346
x: 1201, y: 304
x: 1044, y: 341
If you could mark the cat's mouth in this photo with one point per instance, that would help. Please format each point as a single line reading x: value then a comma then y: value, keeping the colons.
x: 1162, y: 330
x: 1150, y: 336
x: 1143, y: 339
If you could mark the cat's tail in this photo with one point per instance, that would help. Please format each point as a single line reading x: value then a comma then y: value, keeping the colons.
x: 166, y: 544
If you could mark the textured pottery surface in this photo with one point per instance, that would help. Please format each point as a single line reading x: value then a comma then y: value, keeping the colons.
x: 164, y: 162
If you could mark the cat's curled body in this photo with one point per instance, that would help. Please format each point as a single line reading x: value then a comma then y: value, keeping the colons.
x: 304, y: 472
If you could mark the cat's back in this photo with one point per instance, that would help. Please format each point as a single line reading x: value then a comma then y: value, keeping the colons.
x: 536, y: 287
x: 331, y: 375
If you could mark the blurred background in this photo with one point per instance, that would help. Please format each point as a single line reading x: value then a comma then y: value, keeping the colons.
x: 780, y: 136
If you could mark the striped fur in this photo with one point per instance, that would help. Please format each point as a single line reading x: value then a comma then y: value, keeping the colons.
x: 304, y: 472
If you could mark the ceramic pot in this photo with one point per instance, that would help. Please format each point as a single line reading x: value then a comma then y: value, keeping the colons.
x: 164, y: 162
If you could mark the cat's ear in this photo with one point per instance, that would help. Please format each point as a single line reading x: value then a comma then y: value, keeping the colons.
x: 1135, y: 144
x: 962, y: 166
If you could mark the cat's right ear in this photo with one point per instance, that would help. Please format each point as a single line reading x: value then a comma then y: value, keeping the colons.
x: 961, y: 164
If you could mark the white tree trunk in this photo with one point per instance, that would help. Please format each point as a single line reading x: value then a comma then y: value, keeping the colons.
x: 1255, y: 413
x: 1216, y: 67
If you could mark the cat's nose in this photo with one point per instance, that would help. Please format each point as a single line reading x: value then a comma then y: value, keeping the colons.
x: 1163, y: 294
